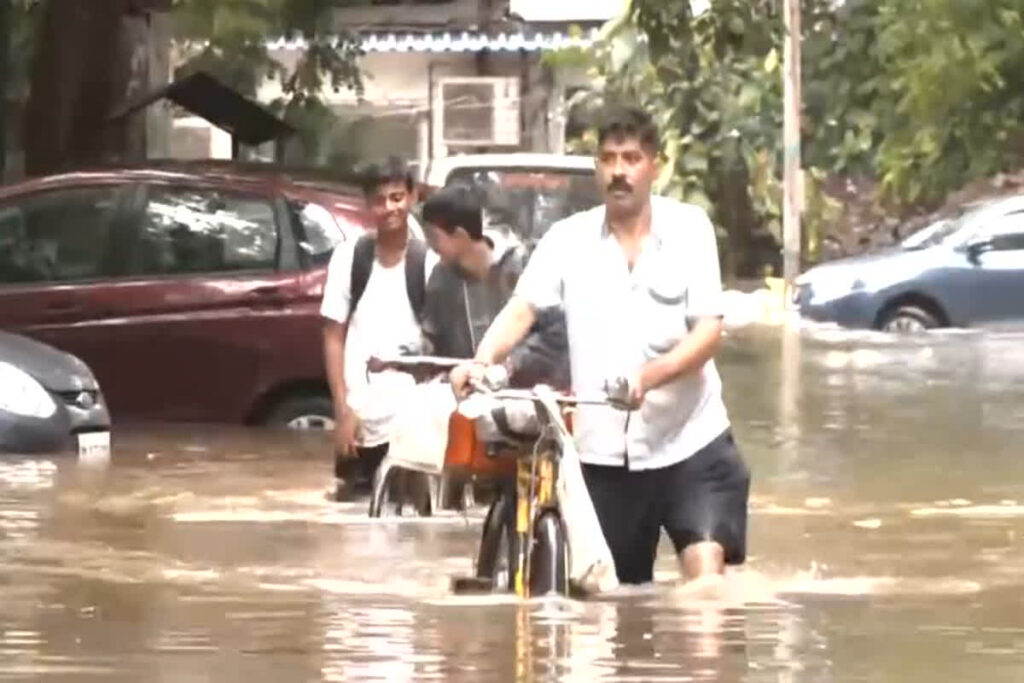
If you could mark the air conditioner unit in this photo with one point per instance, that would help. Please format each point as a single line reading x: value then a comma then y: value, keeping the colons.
x: 477, y: 110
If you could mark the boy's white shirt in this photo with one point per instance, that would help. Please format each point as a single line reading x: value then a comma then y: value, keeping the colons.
x: 382, y: 325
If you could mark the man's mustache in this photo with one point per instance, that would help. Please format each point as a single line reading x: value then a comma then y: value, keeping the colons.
x: 619, y: 184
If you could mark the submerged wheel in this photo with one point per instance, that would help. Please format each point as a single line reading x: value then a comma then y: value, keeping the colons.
x: 549, y: 558
x: 306, y: 412
x: 909, y: 319
x: 497, y: 544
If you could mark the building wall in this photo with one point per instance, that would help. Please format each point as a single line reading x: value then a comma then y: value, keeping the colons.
x: 393, y: 116
x: 566, y: 10
x: 418, y: 14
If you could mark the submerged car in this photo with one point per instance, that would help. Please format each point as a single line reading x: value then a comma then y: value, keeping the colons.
x: 193, y: 294
x: 964, y: 271
x: 49, y: 400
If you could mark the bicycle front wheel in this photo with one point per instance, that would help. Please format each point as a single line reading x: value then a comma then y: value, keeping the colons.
x: 549, y: 559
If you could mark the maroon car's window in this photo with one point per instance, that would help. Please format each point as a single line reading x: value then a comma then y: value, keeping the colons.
x: 320, y: 232
x: 187, y: 230
x: 56, y: 236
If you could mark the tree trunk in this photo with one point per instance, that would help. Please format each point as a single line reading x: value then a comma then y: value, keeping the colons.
x: 78, y: 77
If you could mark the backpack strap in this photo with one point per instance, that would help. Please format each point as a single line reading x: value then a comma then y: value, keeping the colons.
x: 362, y: 263
x: 363, y: 257
x: 416, y: 275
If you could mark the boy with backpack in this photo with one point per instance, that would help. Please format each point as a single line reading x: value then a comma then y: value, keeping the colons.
x: 372, y: 304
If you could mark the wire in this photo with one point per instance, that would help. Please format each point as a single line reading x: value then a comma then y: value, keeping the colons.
x: 469, y: 315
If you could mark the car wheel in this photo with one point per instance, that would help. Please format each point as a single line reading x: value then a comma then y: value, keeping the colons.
x: 303, y: 412
x: 909, y: 319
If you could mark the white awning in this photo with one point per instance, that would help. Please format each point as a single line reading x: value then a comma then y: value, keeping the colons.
x: 459, y: 41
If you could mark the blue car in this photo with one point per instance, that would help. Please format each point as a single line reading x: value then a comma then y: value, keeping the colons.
x: 965, y: 271
x: 49, y: 401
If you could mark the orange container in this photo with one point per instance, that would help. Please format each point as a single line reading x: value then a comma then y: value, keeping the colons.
x: 467, y: 455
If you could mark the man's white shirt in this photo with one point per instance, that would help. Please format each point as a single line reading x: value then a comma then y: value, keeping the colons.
x: 618, y: 319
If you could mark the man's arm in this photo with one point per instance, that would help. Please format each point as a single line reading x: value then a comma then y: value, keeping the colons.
x: 508, y: 329
x: 692, y: 352
x: 539, y: 286
x: 688, y: 356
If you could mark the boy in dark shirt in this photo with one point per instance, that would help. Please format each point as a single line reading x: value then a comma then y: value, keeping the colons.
x: 475, y: 278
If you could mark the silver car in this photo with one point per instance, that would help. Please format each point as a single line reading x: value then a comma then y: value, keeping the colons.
x: 965, y: 271
x: 49, y: 400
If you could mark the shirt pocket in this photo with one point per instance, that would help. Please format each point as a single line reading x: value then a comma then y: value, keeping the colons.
x: 665, y: 305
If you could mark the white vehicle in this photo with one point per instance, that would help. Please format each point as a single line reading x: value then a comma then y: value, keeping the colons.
x: 442, y: 168
x: 524, y: 192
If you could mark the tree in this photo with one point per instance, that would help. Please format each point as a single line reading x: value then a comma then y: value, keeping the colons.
x: 953, y: 99
x: 912, y: 97
x: 228, y: 38
x: 713, y: 83
x: 89, y: 56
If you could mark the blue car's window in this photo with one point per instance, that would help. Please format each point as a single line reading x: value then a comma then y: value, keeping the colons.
x: 1006, y: 233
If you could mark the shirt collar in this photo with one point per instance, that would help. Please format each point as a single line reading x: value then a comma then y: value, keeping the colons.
x: 656, y: 234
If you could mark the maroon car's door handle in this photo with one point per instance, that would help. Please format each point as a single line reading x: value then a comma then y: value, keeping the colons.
x: 269, y: 296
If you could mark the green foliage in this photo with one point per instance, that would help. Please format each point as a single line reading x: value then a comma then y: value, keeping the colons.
x: 228, y: 38
x: 919, y: 96
x: 231, y: 39
x: 954, y: 72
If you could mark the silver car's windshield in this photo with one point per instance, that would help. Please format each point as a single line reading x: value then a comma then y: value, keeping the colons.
x: 941, y: 230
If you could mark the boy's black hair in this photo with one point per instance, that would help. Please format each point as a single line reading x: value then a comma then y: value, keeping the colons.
x: 455, y: 206
x: 618, y: 121
x: 390, y: 170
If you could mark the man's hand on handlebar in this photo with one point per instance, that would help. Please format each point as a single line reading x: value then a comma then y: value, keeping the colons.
x: 625, y: 392
x: 465, y: 376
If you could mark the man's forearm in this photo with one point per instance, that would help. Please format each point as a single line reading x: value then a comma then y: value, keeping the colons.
x: 507, y: 330
x: 689, y: 355
x: 334, y: 361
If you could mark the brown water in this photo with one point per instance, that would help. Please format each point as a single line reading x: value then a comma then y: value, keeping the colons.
x: 888, y: 499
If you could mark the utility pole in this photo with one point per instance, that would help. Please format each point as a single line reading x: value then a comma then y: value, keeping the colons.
x: 793, y: 199
x: 6, y: 24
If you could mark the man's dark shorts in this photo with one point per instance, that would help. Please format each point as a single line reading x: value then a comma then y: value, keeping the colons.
x: 702, y: 498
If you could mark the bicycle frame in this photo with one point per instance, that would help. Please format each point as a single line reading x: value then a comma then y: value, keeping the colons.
x: 537, y: 531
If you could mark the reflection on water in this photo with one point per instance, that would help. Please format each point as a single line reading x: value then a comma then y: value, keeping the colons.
x: 888, y: 502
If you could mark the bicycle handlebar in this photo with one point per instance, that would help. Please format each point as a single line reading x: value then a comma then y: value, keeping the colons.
x: 379, y: 364
x: 441, y: 363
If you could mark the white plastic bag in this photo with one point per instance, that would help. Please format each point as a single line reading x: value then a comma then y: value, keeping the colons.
x: 419, y: 431
x: 591, y: 565
x: 590, y: 559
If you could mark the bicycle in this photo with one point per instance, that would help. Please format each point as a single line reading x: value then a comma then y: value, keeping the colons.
x: 532, y: 543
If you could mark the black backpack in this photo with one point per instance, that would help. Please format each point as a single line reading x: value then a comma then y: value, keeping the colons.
x: 363, y: 259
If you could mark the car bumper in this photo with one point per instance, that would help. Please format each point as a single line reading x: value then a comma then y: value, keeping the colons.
x: 75, y: 414
x: 856, y: 309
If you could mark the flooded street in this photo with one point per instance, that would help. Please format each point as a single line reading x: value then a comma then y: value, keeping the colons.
x: 886, y: 543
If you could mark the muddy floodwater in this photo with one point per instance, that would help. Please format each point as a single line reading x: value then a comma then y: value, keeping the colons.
x: 886, y: 544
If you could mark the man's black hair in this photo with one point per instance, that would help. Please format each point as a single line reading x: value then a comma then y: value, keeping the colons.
x: 455, y: 206
x: 390, y: 170
x: 619, y: 122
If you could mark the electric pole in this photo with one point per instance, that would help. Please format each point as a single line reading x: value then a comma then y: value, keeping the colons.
x: 792, y: 201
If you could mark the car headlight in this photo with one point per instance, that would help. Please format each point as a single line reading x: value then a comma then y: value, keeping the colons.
x: 833, y: 286
x: 22, y: 395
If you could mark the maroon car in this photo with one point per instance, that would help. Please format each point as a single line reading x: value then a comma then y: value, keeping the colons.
x: 193, y: 295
